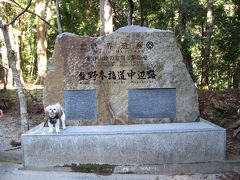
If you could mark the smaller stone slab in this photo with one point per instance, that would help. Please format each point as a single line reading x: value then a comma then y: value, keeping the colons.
x: 144, y: 144
x: 80, y: 104
x: 152, y: 103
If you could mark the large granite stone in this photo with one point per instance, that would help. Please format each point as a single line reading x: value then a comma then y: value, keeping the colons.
x: 132, y: 57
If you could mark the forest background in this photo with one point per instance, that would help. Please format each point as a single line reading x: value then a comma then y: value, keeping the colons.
x: 207, y: 31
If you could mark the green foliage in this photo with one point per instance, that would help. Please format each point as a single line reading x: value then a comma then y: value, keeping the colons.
x: 225, y: 49
x: 186, y: 19
x: 28, y: 48
x: 226, y: 44
x: 80, y: 17
x: 25, y: 25
x: 92, y: 168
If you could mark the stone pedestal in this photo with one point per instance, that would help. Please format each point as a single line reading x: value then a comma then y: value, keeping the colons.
x: 145, y: 144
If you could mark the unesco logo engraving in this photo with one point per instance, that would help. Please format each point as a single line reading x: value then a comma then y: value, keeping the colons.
x: 149, y: 45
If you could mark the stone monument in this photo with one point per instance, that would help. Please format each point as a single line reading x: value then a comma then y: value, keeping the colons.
x: 135, y: 75
x: 132, y: 96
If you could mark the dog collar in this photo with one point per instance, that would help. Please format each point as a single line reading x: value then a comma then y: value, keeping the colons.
x: 54, y: 119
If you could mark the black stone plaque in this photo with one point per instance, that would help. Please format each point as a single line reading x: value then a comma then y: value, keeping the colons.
x: 152, y: 103
x: 80, y: 104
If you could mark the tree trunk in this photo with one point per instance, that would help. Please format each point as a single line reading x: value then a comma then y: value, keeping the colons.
x: 21, y: 95
x: 187, y: 57
x: 40, y: 9
x: 130, y: 12
x: 184, y: 39
x: 141, y: 12
x: 8, y: 77
x: 207, y: 46
x: 236, y: 77
x: 106, y: 19
x: 58, y: 16
x: 14, y: 38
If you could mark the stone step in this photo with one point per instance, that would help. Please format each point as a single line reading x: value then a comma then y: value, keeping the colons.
x: 146, y: 144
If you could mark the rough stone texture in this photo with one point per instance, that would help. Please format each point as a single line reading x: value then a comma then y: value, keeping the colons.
x: 53, y: 84
x: 145, y: 144
x: 131, y: 50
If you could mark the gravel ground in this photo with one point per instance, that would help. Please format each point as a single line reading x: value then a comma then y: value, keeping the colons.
x: 10, y: 129
x: 12, y: 172
x: 10, y: 133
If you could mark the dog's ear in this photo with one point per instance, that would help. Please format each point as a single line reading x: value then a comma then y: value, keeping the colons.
x: 47, y: 109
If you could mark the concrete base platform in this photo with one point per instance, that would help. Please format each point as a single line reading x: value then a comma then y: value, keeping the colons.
x: 147, y: 144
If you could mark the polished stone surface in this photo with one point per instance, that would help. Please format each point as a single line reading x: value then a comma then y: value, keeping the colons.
x: 126, y: 144
x: 152, y: 103
x: 80, y: 104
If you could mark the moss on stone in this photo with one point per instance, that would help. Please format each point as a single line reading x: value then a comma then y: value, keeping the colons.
x: 92, y: 168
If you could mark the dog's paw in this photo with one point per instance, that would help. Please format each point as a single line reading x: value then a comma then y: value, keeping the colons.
x: 50, y: 130
x: 57, y: 130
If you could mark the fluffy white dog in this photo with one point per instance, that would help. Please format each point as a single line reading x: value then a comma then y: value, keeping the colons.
x: 55, y: 115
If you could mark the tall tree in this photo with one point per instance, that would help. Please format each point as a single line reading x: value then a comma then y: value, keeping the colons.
x: 130, y: 12
x: 20, y: 91
x: 184, y: 36
x: 7, y: 72
x: 13, y: 62
x: 14, y: 39
x: 59, y: 25
x: 236, y: 75
x: 207, y: 45
x: 106, y: 17
x: 141, y: 12
x: 40, y: 9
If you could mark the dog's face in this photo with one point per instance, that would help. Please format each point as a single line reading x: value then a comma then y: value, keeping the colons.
x: 53, y: 110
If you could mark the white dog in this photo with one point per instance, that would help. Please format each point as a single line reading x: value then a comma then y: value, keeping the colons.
x: 55, y: 115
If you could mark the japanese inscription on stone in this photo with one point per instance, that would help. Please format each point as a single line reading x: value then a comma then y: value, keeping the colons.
x: 134, y: 75
x: 127, y: 64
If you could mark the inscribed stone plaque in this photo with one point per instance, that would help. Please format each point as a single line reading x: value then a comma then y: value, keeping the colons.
x: 80, y: 104
x: 132, y: 57
x: 152, y: 103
